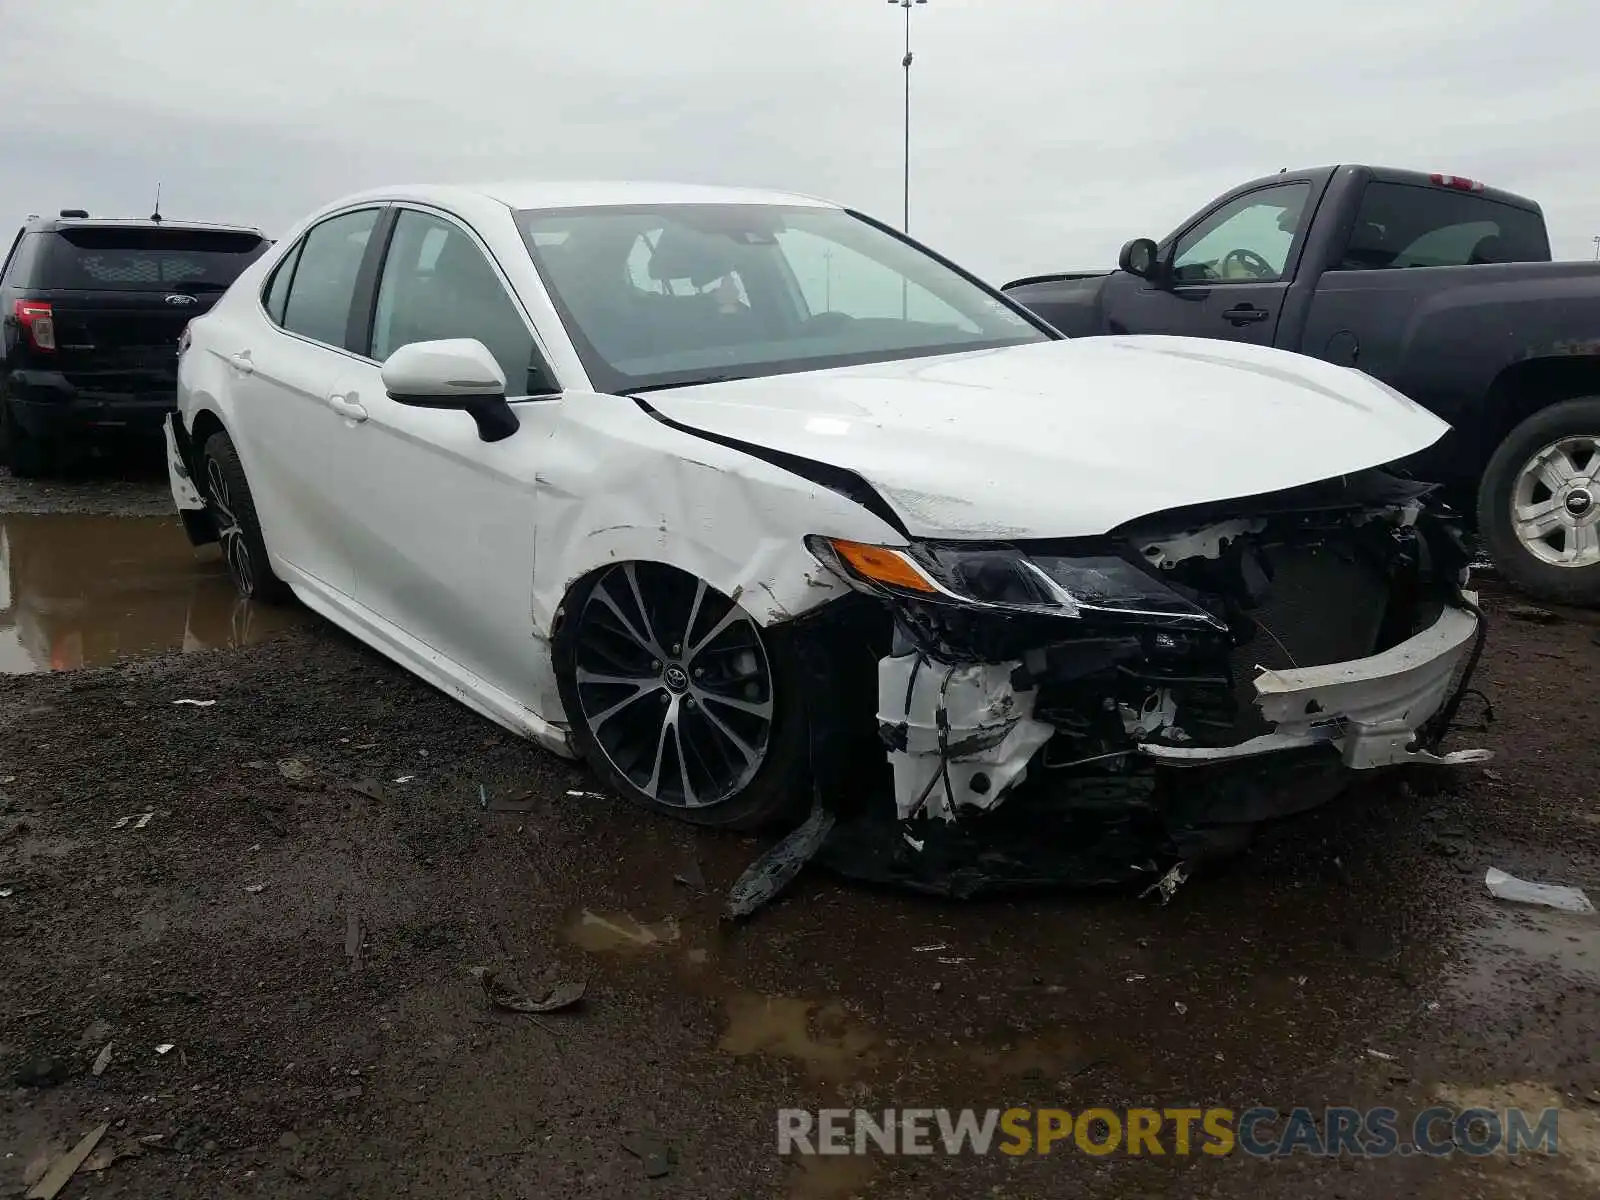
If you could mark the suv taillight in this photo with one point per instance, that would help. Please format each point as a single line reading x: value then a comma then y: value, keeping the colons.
x: 38, y: 322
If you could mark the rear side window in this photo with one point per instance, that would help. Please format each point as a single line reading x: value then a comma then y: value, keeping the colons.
x: 1405, y: 225
x: 116, y: 259
x: 324, y: 283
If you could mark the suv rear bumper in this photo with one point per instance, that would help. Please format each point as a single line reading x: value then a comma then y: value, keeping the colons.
x: 50, y: 407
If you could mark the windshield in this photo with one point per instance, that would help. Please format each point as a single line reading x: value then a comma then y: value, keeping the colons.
x: 112, y: 258
x: 665, y: 295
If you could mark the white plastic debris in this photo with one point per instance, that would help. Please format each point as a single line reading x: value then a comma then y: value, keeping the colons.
x: 1135, y: 978
x: 930, y: 948
x: 1549, y: 895
x: 196, y: 703
x: 1380, y: 1055
x: 404, y: 778
x: 1180, y: 1007
x: 5, y: 893
x: 255, y: 889
x: 164, y: 1048
x: 144, y: 819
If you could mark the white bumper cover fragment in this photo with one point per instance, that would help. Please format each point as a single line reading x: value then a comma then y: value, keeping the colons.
x: 185, y: 495
x: 1370, y: 708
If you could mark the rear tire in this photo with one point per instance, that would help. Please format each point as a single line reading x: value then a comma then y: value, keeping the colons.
x: 1539, y: 503
x: 681, y: 702
x: 26, y: 455
x: 233, y: 511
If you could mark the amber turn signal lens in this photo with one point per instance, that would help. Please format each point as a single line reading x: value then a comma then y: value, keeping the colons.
x: 879, y: 565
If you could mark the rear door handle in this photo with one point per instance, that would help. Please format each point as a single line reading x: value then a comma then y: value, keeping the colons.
x: 1245, y: 314
x: 241, y: 362
x: 347, y: 407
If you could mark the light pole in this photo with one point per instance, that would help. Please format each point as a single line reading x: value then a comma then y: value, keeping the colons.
x: 905, y: 220
x: 1596, y: 241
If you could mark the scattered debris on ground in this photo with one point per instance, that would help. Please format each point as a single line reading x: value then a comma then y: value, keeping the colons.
x: 1548, y: 895
x: 651, y: 1149
x: 65, y: 1167
x: 557, y: 996
x: 777, y: 868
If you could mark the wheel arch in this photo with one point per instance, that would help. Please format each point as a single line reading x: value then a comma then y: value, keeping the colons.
x: 1531, y: 385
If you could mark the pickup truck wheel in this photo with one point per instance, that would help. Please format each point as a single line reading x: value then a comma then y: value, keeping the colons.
x: 1539, y: 503
x: 233, y: 510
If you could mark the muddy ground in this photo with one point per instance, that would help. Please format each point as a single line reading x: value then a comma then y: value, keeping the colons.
x: 303, y: 947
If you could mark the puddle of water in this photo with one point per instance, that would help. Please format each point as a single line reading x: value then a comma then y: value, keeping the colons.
x: 829, y: 1178
x: 1519, y: 943
x: 824, y: 1039
x: 619, y: 933
x: 1577, y: 1129
x: 78, y: 591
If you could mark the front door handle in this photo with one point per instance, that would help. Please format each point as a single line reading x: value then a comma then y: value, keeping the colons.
x: 1245, y: 314
x: 241, y: 362
x: 347, y: 408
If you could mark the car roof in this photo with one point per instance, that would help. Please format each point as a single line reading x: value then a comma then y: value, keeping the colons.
x: 57, y: 224
x: 534, y: 194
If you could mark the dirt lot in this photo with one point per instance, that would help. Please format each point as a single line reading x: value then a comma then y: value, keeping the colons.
x: 304, y: 947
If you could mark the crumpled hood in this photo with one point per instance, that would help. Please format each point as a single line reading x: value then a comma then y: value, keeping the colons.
x: 1069, y: 438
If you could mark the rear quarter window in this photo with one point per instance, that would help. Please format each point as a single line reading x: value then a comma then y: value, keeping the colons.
x: 141, y: 259
x: 19, y: 270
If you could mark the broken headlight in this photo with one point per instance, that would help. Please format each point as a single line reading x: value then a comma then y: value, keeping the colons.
x: 1004, y: 577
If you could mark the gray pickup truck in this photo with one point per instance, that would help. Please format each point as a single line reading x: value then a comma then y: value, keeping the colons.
x: 1438, y: 286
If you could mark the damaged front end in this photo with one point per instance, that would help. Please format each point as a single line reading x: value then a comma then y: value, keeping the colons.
x: 1183, y: 677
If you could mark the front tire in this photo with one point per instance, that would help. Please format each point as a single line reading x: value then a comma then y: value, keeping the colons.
x: 1539, y: 503
x: 233, y: 511
x: 680, y: 701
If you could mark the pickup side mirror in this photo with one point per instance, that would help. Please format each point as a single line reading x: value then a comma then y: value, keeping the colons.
x: 457, y: 373
x: 1138, y: 257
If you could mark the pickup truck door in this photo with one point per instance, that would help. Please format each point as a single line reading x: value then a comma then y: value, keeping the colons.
x: 1224, y: 275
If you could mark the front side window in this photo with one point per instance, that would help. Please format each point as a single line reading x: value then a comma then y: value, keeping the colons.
x: 1406, y: 225
x: 324, y: 281
x: 438, y: 284
x: 667, y: 295
x: 1247, y: 239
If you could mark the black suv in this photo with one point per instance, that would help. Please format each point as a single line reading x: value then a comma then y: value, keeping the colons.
x: 90, y: 316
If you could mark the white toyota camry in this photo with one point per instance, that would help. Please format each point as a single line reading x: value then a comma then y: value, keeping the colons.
x: 730, y: 493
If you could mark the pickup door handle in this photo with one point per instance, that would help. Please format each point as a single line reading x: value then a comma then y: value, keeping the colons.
x: 241, y: 362
x: 347, y: 407
x: 1245, y: 314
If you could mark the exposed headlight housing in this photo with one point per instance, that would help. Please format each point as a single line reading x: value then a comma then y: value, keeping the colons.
x: 1003, y: 577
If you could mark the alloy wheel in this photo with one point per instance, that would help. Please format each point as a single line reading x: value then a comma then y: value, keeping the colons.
x: 1555, y: 503
x: 230, y: 534
x: 674, y: 684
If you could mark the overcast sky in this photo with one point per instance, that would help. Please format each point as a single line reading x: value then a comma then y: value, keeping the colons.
x: 1044, y: 132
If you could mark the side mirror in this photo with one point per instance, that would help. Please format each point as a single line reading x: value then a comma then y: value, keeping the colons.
x: 457, y: 373
x: 1138, y: 257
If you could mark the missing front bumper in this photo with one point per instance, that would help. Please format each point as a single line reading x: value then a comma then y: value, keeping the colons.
x: 964, y: 736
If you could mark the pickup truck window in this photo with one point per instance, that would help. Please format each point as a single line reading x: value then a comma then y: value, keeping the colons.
x: 1246, y: 239
x: 1403, y: 225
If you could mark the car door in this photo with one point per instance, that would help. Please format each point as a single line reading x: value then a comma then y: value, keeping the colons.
x: 1225, y: 275
x: 439, y: 525
x: 283, y: 376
